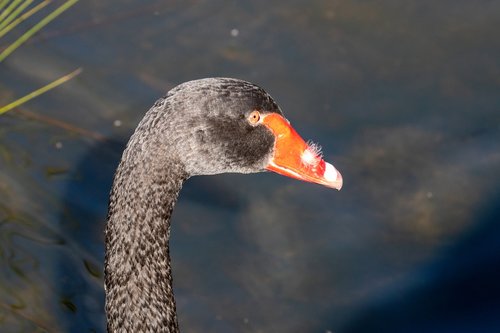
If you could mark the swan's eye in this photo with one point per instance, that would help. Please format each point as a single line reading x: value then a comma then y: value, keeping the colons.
x: 254, y: 117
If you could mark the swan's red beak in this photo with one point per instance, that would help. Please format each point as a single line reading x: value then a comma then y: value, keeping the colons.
x: 293, y: 157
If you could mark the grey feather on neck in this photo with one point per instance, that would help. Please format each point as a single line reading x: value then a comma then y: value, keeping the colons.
x: 138, y: 277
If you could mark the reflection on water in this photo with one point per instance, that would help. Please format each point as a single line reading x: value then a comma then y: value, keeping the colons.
x: 403, y: 96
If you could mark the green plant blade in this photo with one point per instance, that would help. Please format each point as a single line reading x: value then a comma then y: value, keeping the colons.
x: 3, y: 3
x: 6, y: 12
x: 40, y: 91
x: 23, y: 17
x: 46, y: 20
x: 15, y: 13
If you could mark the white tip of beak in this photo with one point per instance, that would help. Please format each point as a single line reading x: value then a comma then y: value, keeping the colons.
x: 332, y: 176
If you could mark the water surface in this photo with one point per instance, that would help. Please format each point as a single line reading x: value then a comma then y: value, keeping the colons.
x: 402, y: 95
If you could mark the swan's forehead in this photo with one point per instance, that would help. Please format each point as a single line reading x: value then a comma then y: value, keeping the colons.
x: 217, y: 96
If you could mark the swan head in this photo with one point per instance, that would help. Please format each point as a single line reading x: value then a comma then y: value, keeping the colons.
x: 221, y: 125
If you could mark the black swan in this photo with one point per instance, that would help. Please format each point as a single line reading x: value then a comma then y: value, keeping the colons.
x: 201, y: 127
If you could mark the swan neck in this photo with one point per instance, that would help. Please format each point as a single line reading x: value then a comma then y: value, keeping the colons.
x: 138, y: 275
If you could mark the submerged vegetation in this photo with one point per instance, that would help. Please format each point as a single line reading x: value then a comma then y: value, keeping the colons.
x: 14, y: 12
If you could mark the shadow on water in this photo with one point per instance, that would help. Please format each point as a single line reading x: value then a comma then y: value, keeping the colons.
x: 459, y: 292
x: 82, y: 222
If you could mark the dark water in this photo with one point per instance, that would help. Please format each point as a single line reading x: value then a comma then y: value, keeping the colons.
x: 404, y: 96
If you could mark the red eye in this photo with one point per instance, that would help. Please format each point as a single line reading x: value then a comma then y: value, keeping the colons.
x: 254, y: 117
